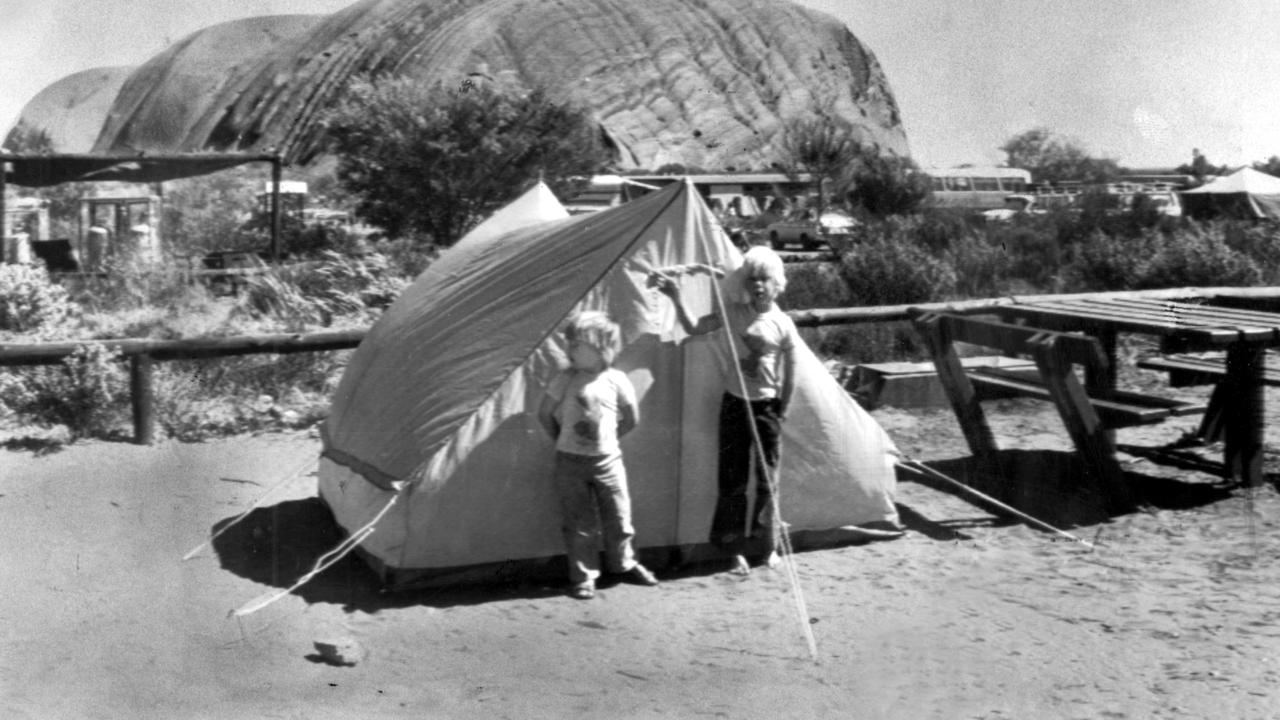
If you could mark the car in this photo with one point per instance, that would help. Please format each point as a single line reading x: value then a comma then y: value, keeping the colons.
x: 806, y: 232
x: 1014, y: 205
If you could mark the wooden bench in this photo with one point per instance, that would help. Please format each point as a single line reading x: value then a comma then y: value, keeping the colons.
x: 1090, y: 411
x: 1208, y: 369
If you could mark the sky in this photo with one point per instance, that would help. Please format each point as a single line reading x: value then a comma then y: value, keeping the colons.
x: 1143, y: 82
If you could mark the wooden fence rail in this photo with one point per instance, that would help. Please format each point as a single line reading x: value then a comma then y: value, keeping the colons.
x: 142, y: 354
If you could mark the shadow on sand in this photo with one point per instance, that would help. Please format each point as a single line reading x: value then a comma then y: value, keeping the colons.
x: 1051, y: 486
x: 278, y: 545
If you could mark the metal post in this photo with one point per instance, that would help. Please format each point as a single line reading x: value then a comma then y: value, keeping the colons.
x: 143, y: 399
x: 275, y: 209
x: 4, y: 218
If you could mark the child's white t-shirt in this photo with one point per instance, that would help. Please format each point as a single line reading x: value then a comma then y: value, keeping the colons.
x: 759, y: 340
x: 588, y: 406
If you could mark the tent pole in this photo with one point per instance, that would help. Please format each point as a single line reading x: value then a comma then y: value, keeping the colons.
x: 275, y: 208
x: 4, y: 218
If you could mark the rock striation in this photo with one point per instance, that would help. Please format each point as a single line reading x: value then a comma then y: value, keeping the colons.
x: 704, y: 83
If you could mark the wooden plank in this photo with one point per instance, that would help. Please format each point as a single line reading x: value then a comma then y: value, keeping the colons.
x: 1083, y: 423
x: 1242, y: 456
x: 1223, y: 324
x: 1233, y: 315
x: 1255, y: 325
x: 960, y: 392
x: 1077, y: 315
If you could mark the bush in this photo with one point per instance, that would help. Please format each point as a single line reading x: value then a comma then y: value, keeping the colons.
x: 1193, y: 257
x: 196, y: 400
x: 883, y: 267
x: 85, y: 393
x: 30, y: 300
x: 317, y: 293
x: 1259, y: 242
x: 1198, y: 257
x: 981, y: 267
x: 814, y: 285
x: 865, y: 343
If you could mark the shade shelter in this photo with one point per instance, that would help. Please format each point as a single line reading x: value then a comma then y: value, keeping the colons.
x: 432, y: 440
x: 1244, y: 194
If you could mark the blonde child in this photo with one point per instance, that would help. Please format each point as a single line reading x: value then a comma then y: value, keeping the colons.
x: 764, y: 344
x: 587, y: 408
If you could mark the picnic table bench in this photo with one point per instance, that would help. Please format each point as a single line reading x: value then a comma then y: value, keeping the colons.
x: 1231, y: 327
x: 1189, y: 369
x: 1089, y: 410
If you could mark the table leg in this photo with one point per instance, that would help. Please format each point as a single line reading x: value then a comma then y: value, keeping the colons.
x: 1242, y: 457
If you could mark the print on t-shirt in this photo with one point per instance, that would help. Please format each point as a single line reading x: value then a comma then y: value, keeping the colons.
x: 588, y: 427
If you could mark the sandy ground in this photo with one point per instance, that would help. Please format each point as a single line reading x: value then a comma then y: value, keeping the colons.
x: 1173, y: 614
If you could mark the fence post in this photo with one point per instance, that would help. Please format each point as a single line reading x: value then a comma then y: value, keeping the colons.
x: 142, y: 398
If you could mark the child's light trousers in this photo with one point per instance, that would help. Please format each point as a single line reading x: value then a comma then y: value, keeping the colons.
x: 594, y: 501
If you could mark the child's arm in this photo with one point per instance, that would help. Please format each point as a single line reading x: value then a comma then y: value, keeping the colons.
x: 628, y: 418
x: 628, y: 408
x: 547, y: 416
x: 669, y: 287
x: 788, y: 380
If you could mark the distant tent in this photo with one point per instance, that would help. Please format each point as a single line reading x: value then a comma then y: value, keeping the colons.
x: 1245, y: 193
x: 537, y: 204
x: 436, y: 407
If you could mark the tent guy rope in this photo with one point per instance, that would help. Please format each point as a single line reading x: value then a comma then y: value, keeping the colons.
x: 310, y: 462
x: 324, y: 562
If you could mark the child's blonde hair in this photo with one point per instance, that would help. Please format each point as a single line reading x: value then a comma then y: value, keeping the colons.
x: 759, y: 260
x: 595, y: 329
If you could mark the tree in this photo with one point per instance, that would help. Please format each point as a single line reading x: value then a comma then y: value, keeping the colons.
x: 24, y: 139
x: 884, y: 185
x: 437, y: 159
x: 1270, y: 167
x: 1200, y: 167
x: 825, y: 147
x: 1053, y: 158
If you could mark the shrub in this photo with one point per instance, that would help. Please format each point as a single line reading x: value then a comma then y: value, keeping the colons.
x: 317, y: 293
x: 865, y: 343
x: 1198, y: 257
x: 981, y: 267
x: 30, y: 300
x: 883, y: 267
x: 815, y: 285
x: 84, y: 393
x: 1104, y: 262
x: 1259, y: 242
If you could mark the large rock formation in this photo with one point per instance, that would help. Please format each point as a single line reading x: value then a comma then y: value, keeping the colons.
x: 703, y: 83
x: 71, y: 111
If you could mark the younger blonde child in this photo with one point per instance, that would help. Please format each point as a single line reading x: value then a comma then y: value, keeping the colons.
x: 587, y: 409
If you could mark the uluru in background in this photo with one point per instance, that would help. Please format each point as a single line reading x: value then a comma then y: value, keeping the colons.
x: 705, y: 84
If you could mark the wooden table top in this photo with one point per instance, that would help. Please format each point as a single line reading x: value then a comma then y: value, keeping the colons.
x: 1203, y: 324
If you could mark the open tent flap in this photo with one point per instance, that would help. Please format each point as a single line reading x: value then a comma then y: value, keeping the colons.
x: 444, y: 390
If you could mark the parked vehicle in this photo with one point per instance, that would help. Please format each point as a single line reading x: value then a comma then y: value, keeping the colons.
x: 1014, y: 205
x: 807, y: 232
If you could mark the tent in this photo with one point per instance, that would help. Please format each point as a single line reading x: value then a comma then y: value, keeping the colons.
x: 537, y: 204
x: 1245, y: 193
x: 432, y: 440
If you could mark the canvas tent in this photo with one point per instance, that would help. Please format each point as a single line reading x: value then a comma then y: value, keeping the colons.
x: 436, y: 407
x: 1245, y: 193
x: 537, y: 204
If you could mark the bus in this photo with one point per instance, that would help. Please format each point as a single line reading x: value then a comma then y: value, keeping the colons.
x: 976, y: 188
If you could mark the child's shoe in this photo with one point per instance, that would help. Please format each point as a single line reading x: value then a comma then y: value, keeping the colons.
x: 584, y: 590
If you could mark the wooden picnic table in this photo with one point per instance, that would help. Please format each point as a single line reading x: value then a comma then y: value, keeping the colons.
x: 1183, y: 327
